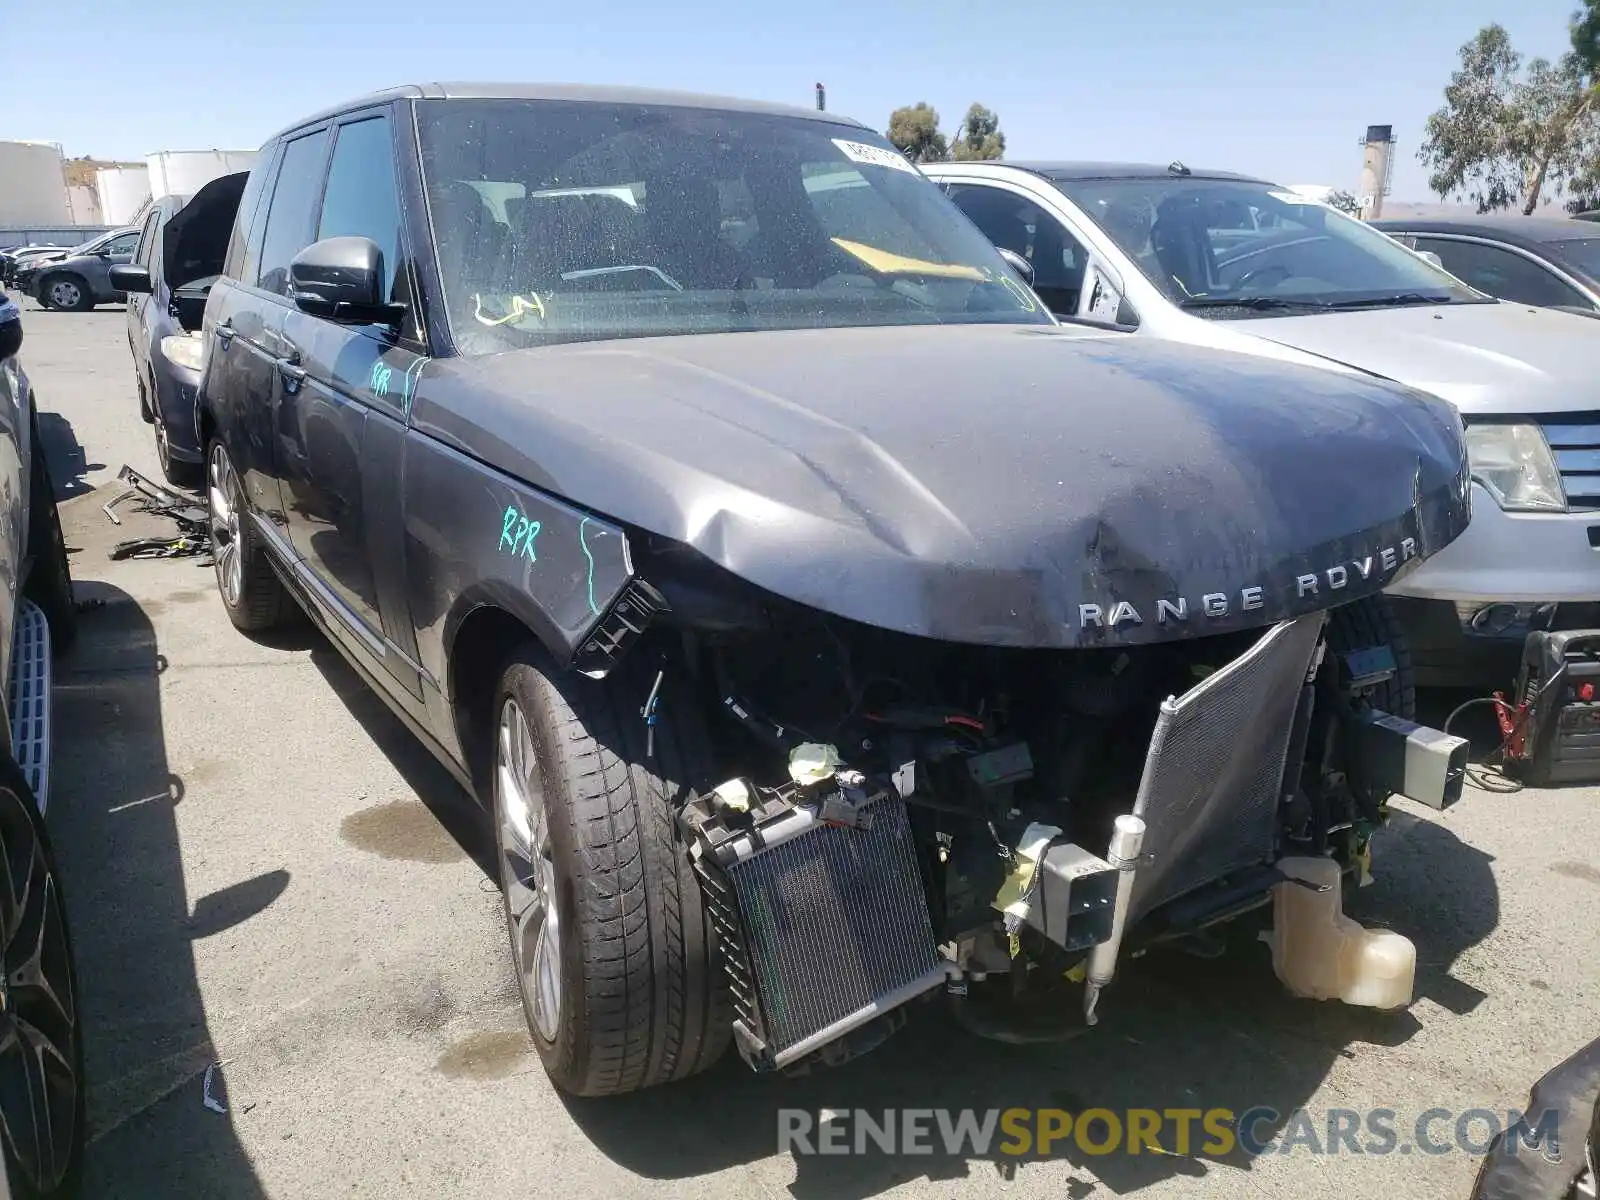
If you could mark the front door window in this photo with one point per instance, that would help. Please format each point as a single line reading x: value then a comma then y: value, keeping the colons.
x: 1016, y: 223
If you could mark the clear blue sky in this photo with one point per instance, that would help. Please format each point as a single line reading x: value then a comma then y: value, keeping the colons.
x: 1284, y: 88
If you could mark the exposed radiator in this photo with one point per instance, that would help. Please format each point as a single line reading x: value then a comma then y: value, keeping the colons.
x: 823, y: 926
x: 1213, y: 774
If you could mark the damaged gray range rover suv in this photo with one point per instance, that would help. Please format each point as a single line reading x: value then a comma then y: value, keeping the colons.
x: 823, y: 626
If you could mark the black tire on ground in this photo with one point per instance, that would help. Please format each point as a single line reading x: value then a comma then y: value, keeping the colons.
x: 644, y: 997
x: 262, y: 602
x: 49, y: 582
x: 35, y: 917
x: 146, y: 413
x: 85, y: 299
x: 1369, y: 622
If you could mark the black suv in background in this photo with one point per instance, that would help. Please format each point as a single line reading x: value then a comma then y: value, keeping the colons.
x: 181, y: 247
x: 629, y: 442
x: 1551, y: 262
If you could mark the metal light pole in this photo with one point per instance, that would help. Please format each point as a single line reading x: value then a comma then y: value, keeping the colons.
x: 822, y: 98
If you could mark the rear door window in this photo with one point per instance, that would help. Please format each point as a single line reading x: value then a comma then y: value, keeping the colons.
x: 361, y: 199
x: 147, y: 239
x: 1501, y: 272
x: 294, y: 205
x: 244, y: 244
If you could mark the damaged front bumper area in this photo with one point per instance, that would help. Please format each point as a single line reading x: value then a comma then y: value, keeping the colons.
x: 840, y: 894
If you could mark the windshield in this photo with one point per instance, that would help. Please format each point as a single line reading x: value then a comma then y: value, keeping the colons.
x: 1237, y: 249
x: 567, y: 220
x: 1584, y: 252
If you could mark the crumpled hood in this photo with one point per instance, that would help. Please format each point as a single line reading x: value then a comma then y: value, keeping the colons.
x: 1486, y: 359
x: 994, y: 484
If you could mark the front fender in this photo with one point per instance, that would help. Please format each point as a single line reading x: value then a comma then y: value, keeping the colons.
x: 476, y: 537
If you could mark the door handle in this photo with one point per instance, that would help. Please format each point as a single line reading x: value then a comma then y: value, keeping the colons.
x: 224, y: 331
x: 292, y: 372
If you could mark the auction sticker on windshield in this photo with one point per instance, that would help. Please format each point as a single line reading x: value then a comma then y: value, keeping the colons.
x: 874, y: 156
x: 1296, y: 198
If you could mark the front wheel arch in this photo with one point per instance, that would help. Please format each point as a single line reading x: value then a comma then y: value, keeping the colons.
x: 484, y: 639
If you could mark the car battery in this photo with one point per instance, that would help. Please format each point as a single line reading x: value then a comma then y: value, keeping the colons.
x: 1552, y: 729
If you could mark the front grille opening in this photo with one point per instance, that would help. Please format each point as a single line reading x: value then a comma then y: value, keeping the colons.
x: 1576, y: 446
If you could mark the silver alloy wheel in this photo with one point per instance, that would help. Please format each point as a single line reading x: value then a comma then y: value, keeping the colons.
x: 527, y: 872
x: 224, y: 500
x: 39, y: 1082
x: 64, y: 293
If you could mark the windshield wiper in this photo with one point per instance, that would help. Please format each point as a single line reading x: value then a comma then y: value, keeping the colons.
x: 1394, y: 298
x: 1258, y: 302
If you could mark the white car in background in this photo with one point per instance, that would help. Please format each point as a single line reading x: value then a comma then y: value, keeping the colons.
x: 1225, y: 260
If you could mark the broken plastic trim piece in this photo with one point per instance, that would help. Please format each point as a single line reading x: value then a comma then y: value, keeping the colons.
x: 1370, y: 667
x: 619, y: 628
x: 206, y: 1096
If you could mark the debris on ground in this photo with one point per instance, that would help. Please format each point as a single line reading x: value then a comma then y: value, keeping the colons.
x: 213, y: 1075
x: 187, y: 512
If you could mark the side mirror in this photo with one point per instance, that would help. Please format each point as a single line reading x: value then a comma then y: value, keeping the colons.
x: 339, y: 278
x: 10, y: 328
x: 1018, y: 264
x: 1101, y: 299
x: 1431, y: 257
x: 126, y: 277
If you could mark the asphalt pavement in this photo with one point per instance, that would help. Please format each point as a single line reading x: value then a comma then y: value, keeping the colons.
x: 264, y: 871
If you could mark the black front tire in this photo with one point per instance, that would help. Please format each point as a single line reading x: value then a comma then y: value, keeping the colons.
x: 644, y: 999
x: 146, y: 413
x: 1371, y: 622
x: 252, y: 594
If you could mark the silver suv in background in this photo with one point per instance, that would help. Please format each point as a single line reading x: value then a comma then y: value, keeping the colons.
x: 1225, y: 260
x: 81, y: 278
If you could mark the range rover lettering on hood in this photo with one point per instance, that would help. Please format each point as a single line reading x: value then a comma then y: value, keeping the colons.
x: 1215, y: 606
